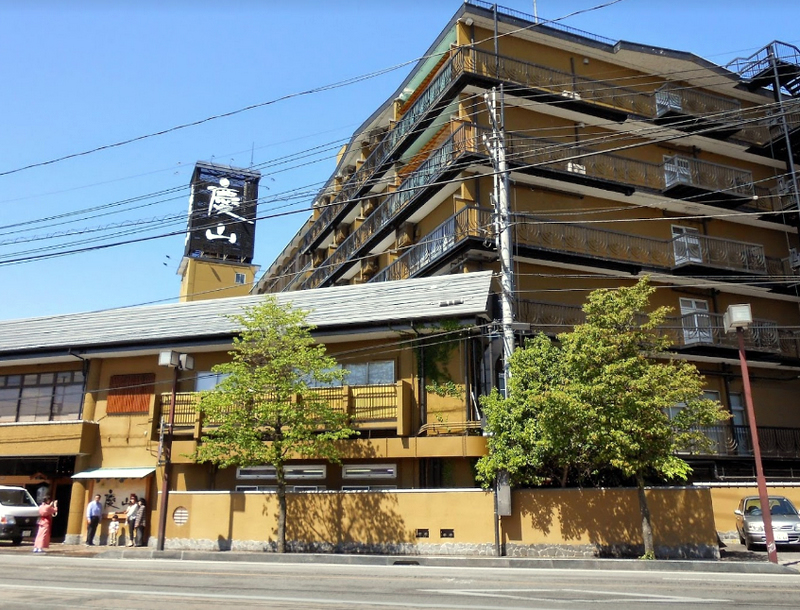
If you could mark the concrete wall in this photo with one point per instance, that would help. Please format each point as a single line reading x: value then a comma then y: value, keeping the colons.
x: 568, y: 523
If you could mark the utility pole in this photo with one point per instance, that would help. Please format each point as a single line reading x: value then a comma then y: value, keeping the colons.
x: 496, y: 146
x: 497, y: 149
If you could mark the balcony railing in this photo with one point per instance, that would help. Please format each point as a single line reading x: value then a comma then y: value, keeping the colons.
x: 466, y: 223
x: 730, y: 440
x: 685, y: 331
x: 369, y: 406
x: 462, y: 140
x: 726, y: 180
x: 671, y: 99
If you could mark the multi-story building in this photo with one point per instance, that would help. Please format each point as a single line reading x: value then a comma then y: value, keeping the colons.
x: 623, y: 160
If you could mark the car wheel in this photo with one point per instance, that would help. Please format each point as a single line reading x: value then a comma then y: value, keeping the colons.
x: 16, y: 541
x: 748, y: 544
x: 741, y: 538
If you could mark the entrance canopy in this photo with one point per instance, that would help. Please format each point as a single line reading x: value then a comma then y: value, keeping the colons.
x: 116, y: 473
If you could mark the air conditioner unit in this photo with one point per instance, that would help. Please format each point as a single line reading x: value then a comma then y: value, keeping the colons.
x: 794, y: 258
x: 576, y: 168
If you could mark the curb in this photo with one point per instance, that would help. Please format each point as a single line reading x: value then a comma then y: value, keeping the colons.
x: 664, y: 565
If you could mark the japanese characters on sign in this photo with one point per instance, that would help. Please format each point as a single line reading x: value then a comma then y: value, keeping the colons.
x: 222, y: 213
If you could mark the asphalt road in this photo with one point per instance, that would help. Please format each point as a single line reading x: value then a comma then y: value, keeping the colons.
x: 28, y: 581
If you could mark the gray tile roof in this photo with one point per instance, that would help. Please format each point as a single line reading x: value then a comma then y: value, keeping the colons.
x: 449, y: 296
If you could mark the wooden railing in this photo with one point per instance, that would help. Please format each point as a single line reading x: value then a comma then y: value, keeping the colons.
x: 369, y: 406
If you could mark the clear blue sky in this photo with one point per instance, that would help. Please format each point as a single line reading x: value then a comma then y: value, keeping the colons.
x: 95, y: 73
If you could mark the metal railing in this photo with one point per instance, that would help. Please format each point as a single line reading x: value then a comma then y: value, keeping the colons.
x: 469, y: 222
x: 693, y: 102
x: 462, y: 140
x: 761, y: 60
x: 680, y: 170
x: 733, y: 440
x: 689, y: 330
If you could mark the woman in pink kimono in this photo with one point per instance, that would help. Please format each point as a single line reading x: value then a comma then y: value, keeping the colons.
x: 47, y: 511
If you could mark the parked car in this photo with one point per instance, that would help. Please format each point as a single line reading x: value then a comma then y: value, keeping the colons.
x: 750, y: 524
x: 18, y: 514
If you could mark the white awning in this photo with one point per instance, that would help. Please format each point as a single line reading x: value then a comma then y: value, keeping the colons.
x: 116, y: 473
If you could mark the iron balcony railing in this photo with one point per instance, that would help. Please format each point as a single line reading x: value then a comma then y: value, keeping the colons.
x: 671, y: 98
x: 734, y: 440
x: 463, y: 139
x: 572, y: 238
x: 369, y: 406
x: 466, y: 60
x: 680, y: 170
x: 701, y: 329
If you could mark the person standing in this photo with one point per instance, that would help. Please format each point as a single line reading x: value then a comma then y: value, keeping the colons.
x: 93, y: 513
x: 47, y: 511
x: 130, y: 519
x: 141, y: 522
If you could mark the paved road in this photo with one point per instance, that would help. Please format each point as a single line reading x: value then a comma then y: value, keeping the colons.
x: 33, y: 581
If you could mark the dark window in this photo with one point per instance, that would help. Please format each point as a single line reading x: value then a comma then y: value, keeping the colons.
x: 41, y: 396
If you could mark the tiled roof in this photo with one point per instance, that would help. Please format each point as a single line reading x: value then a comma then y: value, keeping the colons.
x: 448, y: 296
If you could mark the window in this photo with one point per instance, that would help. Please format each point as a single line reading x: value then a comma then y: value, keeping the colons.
x: 239, y: 278
x: 130, y: 393
x: 291, y: 472
x: 41, y: 396
x: 206, y: 380
x: 368, y: 487
x: 371, y: 373
x: 380, y: 372
x: 273, y: 488
x: 369, y: 471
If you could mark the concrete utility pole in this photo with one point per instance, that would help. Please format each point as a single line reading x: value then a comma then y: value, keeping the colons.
x: 497, y: 149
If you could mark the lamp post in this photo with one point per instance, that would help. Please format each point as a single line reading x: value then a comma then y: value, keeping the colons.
x: 738, y: 318
x: 178, y: 362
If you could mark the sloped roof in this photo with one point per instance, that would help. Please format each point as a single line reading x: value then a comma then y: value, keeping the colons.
x: 448, y: 296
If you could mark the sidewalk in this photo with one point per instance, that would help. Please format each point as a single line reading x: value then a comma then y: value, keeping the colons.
x: 731, y: 561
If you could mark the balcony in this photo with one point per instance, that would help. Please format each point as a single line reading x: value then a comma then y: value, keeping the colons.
x: 704, y: 182
x: 736, y: 441
x: 43, y: 438
x: 370, y: 407
x: 576, y: 243
x: 690, y: 109
x: 696, y: 333
x: 430, y: 176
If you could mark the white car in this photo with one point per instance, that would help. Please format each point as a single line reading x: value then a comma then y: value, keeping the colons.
x: 19, y: 514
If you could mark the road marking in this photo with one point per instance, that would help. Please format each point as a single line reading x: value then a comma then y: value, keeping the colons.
x: 620, y: 596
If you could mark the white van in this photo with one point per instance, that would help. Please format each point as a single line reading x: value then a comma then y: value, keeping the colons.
x: 18, y: 514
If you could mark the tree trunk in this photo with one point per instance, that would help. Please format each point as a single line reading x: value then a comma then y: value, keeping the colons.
x: 647, y: 528
x: 281, y: 509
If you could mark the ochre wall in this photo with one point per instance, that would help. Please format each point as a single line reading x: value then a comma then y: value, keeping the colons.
x: 578, y: 517
x: 726, y: 499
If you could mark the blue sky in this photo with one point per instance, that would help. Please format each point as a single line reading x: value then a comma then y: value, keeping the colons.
x: 98, y: 73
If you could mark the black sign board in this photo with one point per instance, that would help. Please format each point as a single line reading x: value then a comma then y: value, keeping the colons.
x: 222, y: 213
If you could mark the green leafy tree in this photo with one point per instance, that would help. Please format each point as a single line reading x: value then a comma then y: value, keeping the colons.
x: 269, y: 408
x: 597, y: 401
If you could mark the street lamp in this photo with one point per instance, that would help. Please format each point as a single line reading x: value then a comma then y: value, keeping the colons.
x: 178, y: 362
x: 738, y: 318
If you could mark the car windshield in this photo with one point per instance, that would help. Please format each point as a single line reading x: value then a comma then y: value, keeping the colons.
x: 777, y: 506
x: 16, y: 497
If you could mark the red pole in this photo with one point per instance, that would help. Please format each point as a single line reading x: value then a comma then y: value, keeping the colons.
x: 760, y: 480
x: 167, y: 453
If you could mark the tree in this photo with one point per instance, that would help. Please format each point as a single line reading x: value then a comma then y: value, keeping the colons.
x: 269, y: 408
x: 598, y: 400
